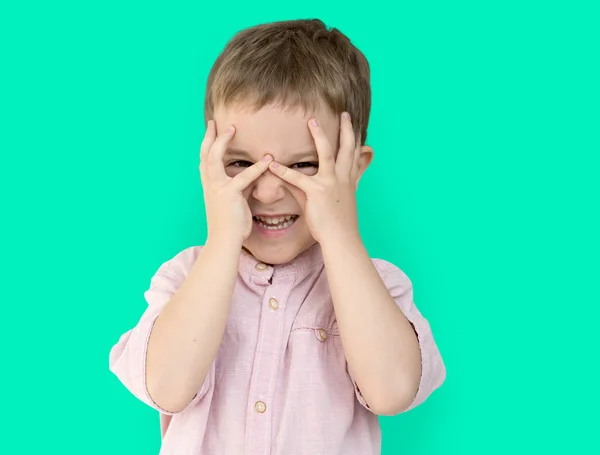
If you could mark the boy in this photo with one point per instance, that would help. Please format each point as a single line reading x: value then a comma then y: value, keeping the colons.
x: 280, y: 335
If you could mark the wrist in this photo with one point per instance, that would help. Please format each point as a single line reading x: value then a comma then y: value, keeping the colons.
x: 224, y: 243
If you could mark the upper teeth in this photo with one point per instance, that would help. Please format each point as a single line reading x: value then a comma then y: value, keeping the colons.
x: 274, y: 220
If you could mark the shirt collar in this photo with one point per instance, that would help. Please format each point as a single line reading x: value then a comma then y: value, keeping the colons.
x: 300, y: 266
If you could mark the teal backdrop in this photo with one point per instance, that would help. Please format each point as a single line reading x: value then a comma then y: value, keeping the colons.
x: 484, y: 190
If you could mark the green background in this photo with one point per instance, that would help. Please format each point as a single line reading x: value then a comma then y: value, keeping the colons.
x: 484, y: 190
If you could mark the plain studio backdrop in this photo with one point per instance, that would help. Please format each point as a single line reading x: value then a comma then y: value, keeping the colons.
x: 484, y: 190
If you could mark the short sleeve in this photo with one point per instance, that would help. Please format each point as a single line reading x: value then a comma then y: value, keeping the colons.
x: 127, y: 358
x: 433, y: 371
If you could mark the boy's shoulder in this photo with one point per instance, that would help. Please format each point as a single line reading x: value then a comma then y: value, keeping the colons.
x: 183, y: 261
x: 180, y: 262
x: 391, y: 274
x: 187, y: 255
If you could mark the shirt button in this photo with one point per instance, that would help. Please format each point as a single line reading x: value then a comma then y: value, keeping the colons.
x: 260, y: 407
x: 260, y: 266
x: 273, y: 304
x: 321, y: 334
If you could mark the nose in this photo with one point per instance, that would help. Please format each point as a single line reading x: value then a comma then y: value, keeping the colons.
x: 268, y: 188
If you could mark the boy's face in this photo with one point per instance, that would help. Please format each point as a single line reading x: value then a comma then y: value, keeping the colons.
x: 285, y: 135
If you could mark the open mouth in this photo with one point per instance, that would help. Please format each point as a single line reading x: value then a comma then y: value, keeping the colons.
x: 274, y: 223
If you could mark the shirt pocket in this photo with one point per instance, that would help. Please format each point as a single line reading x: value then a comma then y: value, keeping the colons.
x: 325, y: 332
x: 314, y: 331
x: 317, y: 368
x: 317, y: 339
x: 323, y: 329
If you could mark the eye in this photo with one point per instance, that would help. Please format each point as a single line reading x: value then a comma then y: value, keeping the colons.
x: 305, y: 165
x: 240, y: 163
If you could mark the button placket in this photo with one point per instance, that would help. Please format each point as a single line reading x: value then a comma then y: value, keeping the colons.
x: 269, y: 352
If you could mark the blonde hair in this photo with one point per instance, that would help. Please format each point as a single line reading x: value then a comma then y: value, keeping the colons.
x: 294, y: 64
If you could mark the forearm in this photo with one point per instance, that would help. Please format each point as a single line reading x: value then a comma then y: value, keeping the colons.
x: 379, y: 342
x: 186, y: 336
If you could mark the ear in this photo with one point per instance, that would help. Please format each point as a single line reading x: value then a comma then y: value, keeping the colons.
x: 364, y: 159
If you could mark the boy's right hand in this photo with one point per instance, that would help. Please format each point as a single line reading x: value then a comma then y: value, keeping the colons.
x: 227, y: 212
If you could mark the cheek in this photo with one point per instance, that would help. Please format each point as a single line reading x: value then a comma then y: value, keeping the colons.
x: 297, y: 194
x: 309, y: 171
x: 247, y: 193
x: 232, y: 171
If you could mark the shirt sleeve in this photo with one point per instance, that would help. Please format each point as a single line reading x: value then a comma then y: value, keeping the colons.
x: 433, y: 371
x: 127, y: 358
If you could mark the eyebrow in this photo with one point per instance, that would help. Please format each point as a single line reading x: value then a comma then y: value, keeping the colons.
x: 238, y: 153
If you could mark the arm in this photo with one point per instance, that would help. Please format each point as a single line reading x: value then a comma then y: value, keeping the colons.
x: 389, y: 348
x: 187, y: 334
x: 380, y: 344
x: 167, y: 359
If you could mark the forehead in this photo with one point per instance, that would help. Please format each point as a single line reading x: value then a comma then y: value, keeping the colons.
x: 273, y: 129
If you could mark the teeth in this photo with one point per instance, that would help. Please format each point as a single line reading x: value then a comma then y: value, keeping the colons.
x: 275, y: 223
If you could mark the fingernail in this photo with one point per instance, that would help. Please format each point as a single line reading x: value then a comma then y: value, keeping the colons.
x: 274, y: 164
x: 314, y: 122
x: 346, y: 116
x: 267, y: 158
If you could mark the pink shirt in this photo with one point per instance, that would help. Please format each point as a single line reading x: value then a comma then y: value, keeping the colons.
x: 279, y: 384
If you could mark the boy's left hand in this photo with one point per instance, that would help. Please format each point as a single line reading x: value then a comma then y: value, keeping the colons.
x: 330, y: 194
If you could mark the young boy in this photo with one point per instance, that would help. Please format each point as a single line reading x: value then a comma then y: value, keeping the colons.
x: 280, y: 335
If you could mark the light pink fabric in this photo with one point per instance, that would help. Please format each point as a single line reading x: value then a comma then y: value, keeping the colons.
x: 277, y: 356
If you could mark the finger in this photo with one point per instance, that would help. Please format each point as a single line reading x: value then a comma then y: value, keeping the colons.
x: 216, y: 168
x: 207, y: 141
x: 241, y: 181
x: 345, y: 158
x: 355, y: 163
x: 324, y: 149
x: 296, y: 178
x: 209, y: 138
